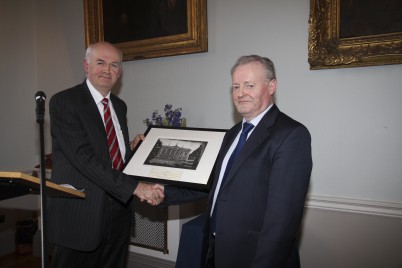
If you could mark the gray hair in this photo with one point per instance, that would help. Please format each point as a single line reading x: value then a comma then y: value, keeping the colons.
x: 265, y: 62
x: 89, y: 49
x: 88, y: 52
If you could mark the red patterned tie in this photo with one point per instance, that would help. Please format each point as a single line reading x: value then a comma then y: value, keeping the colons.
x: 114, y: 150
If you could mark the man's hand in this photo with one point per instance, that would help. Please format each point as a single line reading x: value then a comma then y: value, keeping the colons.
x: 152, y: 193
x: 137, y: 139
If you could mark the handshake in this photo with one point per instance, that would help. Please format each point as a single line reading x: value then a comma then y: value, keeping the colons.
x: 152, y: 193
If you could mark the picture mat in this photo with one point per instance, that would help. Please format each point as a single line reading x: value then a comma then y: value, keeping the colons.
x: 171, y: 175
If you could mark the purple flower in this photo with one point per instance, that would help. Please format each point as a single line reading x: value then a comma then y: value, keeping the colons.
x: 173, y: 117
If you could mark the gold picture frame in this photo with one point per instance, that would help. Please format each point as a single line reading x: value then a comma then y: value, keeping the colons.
x: 329, y: 46
x: 194, y: 39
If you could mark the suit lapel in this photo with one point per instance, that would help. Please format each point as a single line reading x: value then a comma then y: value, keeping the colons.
x: 93, y: 117
x: 91, y: 108
x: 231, y: 135
x: 259, y: 135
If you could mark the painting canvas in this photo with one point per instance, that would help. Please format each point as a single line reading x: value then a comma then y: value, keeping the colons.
x: 126, y: 21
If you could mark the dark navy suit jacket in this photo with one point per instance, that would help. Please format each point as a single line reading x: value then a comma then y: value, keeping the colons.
x: 260, y: 204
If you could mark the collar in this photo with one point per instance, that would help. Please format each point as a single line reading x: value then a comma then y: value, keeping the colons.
x: 258, y: 118
x: 95, y: 94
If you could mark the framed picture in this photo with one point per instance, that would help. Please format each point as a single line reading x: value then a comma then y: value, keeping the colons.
x: 177, y: 156
x: 354, y: 33
x: 148, y: 28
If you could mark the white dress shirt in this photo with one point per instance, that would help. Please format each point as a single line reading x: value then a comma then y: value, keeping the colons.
x: 98, y: 100
x: 255, y: 122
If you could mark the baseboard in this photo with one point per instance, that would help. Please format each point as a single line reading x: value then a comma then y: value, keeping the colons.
x: 136, y: 260
x: 351, y: 205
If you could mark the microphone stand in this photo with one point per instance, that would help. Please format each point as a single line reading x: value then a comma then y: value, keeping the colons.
x: 42, y: 175
x: 43, y: 198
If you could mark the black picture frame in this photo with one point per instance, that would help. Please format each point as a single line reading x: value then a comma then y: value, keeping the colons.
x: 183, y: 157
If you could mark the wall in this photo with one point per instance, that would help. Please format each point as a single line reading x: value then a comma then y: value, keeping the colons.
x: 341, y: 239
x: 353, y: 114
x: 18, y: 79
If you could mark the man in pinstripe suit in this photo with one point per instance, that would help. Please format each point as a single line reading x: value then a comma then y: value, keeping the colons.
x: 92, y: 232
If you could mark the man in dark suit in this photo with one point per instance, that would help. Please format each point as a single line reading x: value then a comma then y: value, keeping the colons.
x: 256, y: 208
x: 92, y: 232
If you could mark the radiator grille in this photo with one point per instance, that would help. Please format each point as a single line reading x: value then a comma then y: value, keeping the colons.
x: 149, y: 226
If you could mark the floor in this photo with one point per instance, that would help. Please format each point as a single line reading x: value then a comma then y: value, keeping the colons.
x: 14, y: 260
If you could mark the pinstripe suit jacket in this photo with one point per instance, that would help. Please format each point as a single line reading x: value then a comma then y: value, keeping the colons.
x: 81, y: 158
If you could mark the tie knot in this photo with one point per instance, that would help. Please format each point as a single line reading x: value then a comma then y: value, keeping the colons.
x: 105, y: 102
x: 247, y: 127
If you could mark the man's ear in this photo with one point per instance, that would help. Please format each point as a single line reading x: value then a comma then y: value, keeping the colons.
x: 272, y: 87
x: 85, y: 66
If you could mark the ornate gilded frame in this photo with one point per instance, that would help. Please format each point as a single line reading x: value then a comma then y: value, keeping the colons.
x: 327, y: 50
x: 194, y: 41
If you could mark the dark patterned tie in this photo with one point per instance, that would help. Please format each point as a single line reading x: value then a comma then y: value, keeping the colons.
x: 114, y: 150
x: 247, y: 127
